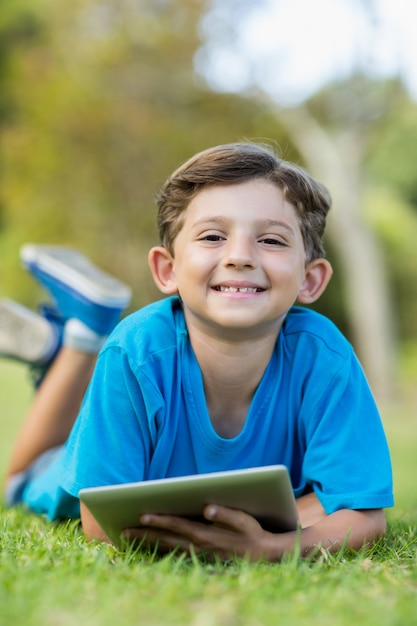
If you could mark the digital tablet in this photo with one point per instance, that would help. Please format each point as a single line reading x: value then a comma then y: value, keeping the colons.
x: 263, y: 492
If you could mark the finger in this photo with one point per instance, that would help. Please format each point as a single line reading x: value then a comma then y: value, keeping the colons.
x: 237, y: 521
x: 161, y: 540
x: 178, y: 525
x: 173, y: 531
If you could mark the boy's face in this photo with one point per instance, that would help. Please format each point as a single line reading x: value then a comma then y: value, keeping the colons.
x: 239, y: 261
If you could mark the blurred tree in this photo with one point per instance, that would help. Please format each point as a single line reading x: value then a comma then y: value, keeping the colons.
x: 392, y: 149
x: 18, y: 30
x: 331, y: 132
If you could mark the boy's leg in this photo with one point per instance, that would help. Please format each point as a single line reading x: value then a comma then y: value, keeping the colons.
x: 91, y: 302
x: 54, y: 409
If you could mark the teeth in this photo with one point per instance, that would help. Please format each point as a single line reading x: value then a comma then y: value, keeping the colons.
x: 238, y: 289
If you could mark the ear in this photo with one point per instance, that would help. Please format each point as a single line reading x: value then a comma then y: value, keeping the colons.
x: 317, y: 277
x: 162, y: 267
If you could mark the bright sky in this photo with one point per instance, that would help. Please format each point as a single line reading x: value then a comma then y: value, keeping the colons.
x: 291, y: 48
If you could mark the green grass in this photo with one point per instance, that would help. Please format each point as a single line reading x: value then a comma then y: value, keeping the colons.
x: 50, y: 576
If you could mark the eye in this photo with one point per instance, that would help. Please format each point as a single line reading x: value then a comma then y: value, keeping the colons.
x: 212, y: 238
x: 273, y: 241
x: 215, y: 237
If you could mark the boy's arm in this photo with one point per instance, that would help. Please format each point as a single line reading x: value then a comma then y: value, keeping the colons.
x: 351, y: 528
x: 91, y: 528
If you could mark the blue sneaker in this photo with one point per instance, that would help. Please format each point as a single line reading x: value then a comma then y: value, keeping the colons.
x: 79, y: 289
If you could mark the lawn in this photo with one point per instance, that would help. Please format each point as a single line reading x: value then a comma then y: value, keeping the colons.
x: 50, y: 576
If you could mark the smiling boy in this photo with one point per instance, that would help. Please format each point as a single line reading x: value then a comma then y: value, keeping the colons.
x: 223, y: 374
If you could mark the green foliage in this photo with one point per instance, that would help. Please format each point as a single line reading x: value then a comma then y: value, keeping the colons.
x: 393, y: 151
x: 18, y: 29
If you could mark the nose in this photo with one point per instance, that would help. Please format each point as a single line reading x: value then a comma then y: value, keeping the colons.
x: 240, y: 253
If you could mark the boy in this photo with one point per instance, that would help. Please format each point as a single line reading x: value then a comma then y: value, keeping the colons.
x: 224, y: 373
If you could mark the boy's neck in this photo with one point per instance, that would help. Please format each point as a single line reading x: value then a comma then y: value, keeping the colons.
x: 231, y: 373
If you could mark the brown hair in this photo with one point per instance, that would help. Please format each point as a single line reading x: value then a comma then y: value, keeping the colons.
x: 235, y: 163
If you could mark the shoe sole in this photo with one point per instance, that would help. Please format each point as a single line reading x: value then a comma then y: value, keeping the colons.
x: 72, y: 269
x: 24, y: 335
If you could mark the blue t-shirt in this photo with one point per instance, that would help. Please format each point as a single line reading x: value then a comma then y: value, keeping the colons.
x: 145, y: 416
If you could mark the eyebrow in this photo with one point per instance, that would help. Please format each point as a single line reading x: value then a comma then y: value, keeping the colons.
x: 280, y: 224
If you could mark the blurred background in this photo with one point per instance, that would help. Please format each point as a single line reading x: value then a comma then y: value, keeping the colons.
x: 101, y: 99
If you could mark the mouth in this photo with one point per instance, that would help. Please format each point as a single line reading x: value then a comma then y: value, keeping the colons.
x: 234, y: 289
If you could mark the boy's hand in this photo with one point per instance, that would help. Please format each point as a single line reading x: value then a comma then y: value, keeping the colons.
x: 234, y: 533
x: 230, y: 533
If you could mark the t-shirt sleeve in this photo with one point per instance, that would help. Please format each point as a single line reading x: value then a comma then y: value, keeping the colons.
x: 347, y: 461
x: 111, y: 442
